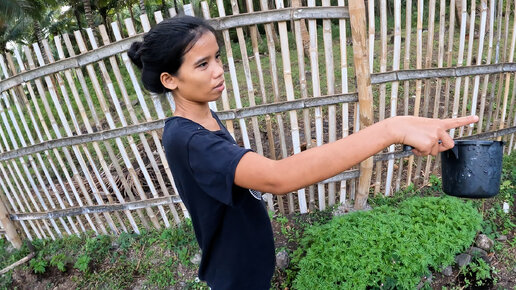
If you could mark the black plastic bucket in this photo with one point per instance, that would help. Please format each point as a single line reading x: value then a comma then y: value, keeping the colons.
x: 472, y: 168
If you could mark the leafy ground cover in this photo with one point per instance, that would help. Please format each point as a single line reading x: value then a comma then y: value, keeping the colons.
x: 403, y: 242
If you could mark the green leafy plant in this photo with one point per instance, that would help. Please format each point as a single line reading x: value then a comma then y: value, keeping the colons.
x: 38, y: 265
x: 480, y: 272
x: 82, y: 263
x: 59, y: 261
x: 386, y: 247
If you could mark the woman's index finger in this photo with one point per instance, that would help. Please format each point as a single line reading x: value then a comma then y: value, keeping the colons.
x: 458, y: 122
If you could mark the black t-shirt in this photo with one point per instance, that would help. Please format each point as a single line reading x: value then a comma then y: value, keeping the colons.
x: 231, y: 224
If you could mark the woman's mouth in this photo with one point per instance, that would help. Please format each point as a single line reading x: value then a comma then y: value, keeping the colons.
x: 220, y: 87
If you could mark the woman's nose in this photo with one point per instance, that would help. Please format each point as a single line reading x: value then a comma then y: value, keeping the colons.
x: 218, y: 70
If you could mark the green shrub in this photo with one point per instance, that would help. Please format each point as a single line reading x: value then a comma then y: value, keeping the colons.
x: 59, y: 261
x: 82, y: 263
x: 389, y: 248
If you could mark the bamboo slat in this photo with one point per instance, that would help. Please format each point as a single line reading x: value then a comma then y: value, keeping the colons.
x: 9, y: 227
x: 316, y: 91
x: 289, y: 86
x: 394, y: 88
x: 476, y: 84
x: 406, y: 84
x: 426, y: 96
x: 460, y: 59
x: 330, y: 85
x: 465, y: 96
x: 343, y: 196
x: 488, y: 61
x: 449, y: 53
x: 508, y: 78
x: 358, y: 33
x: 417, y: 103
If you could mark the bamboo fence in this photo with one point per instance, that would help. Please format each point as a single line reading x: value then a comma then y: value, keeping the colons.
x: 80, y: 146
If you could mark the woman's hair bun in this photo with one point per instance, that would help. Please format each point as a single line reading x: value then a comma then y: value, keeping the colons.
x: 135, y: 53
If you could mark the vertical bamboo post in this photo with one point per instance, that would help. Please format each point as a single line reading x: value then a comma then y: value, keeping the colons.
x: 371, y: 20
x: 316, y: 90
x: 428, y: 83
x: 406, y: 84
x: 440, y: 61
x: 419, y: 57
x: 330, y: 85
x: 507, y: 14
x: 365, y: 94
x: 300, y: 48
x: 270, y: 34
x: 449, y: 52
x: 383, y: 68
x: 8, y: 226
x: 289, y: 86
x: 344, y: 87
x: 460, y: 59
x: 497, y: 77
x: 465, y: 96
x: 488, y: 61
x: 395, y: 85
x: 479, y: 61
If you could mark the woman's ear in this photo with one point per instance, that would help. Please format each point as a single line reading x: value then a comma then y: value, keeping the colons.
x: 168, y: 81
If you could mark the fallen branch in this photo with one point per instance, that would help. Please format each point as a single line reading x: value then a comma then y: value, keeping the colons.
x: 22, y: 261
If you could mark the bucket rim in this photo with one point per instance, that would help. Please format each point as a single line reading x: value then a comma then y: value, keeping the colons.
x: 476, y: 142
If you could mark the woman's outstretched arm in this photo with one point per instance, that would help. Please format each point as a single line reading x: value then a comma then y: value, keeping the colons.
x: 319, y: 163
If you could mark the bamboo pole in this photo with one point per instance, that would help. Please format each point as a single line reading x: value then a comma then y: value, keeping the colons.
x: 449, y: 53
x: 300, y: 48
x: 476, y: 84
x: 426, y: 97
x: 406, y: 84
x: 460, y: 59
x: 497, y: 57
x: 358, y: 33
x: 371, y: 19
x: 488, y: 61
x: 465, y: 96
x: 316, y: 91
x: 395, y: 85
x: 417, y: 104
x: 343, y: 196
x: 8, y: 226
x: 440, y: 62
x: 110, y: 120
x: 270, y: 34
x: 287, y: 75
x: 383, y: 68
x: 330, y: 85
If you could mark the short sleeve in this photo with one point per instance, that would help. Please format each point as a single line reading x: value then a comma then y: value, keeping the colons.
x: 213, y: 161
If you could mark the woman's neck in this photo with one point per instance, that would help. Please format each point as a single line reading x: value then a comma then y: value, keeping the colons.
x: 197, y: 112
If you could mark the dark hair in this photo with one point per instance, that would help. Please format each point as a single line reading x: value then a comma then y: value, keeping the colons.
x: 163, y: 48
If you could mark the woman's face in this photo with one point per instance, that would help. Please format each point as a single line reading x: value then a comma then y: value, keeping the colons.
x: 201, y: 76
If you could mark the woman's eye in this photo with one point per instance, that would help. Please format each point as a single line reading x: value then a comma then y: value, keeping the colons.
x: 217, y: 56
x: 204, y: 64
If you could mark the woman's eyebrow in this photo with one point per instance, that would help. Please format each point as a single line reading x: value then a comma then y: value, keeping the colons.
x: 199, y: 61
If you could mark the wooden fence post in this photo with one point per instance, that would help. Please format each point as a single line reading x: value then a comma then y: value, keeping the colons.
x: 365, y: 94
x: 8, y: 226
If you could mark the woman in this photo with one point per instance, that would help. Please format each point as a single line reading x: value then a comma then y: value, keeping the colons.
x: 213, y: 175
